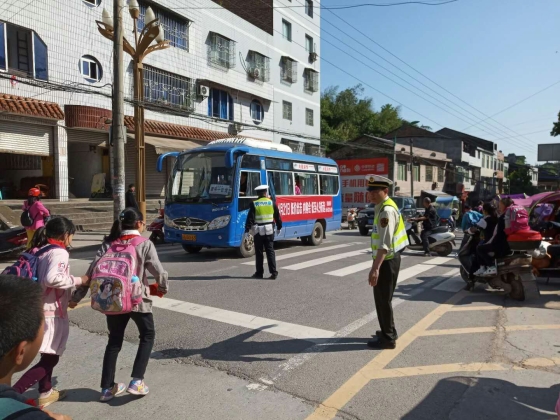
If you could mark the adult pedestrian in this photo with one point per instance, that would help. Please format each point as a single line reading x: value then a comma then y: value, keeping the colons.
x: 261, y: 220
x: 130, y: 197
x: 388, y: 238
x: 36, y: 213
x: 429, y: 221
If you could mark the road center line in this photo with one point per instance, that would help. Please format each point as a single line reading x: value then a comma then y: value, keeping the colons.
x: 474, y: 330
x: 308, y: 252
x: 271, y: 326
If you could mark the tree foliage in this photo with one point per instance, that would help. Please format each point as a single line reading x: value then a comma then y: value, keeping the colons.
x: 556, y: 127
x: 520, y: 182
x: 347, y: 114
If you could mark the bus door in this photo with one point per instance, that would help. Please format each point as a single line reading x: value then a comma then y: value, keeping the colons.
x: 249, y: 178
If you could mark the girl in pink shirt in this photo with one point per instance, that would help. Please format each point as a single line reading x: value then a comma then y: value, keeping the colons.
x: 53, y: 274
x: 37, y: 211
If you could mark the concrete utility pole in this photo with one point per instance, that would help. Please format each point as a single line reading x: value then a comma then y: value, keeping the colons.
x: 412, y: 168
x: 118, y: 128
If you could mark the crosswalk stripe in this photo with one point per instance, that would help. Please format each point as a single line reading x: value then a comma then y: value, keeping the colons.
x: 324, y: 260
x: 302, y: 253
x: 453, y: 284
x: 410, y: 272
x: 285, y: 329
x: 356, y: 268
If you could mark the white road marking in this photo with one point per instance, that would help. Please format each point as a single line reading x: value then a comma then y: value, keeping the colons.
x: 271, y: 326
x: 325, y: 260
x: 256, y: 387
x: 454, y: 284
x: 302, y: 253
x: 413, y: 271
x: 356, y: 268
x: 299, y: 359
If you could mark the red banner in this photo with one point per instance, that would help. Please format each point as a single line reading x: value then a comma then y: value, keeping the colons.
x: 375, y: 166
x: 296, y: 208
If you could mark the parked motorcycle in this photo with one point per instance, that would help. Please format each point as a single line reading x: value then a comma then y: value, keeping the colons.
x: 440, y: 239
x: 13, y: 240
x: 515, y: 272
x: 156, y: 227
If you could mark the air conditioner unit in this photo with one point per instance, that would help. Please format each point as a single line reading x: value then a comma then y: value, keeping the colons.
x: 203, y: 91
x: 256, y: 72
x: 234, y: 129
x: 313, y: 56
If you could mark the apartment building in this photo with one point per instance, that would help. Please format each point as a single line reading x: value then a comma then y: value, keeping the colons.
x: 234, y: 68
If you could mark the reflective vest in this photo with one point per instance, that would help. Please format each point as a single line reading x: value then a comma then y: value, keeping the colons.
x: 400, y: 238
x: 264, y: 211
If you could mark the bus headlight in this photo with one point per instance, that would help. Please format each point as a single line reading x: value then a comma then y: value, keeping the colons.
x: 219, y: 222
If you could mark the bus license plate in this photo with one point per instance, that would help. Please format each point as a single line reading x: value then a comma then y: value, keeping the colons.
x: 191, y: 238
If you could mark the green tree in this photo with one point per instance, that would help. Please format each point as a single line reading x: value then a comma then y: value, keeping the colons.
x: 347, y: 114
x: 556, y: 127
x: 520, y: 182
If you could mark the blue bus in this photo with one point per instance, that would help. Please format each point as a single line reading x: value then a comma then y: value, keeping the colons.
x: 211, y: 188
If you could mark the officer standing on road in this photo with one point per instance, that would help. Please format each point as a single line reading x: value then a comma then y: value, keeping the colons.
x: 388, y: 238
x: 261, y: 218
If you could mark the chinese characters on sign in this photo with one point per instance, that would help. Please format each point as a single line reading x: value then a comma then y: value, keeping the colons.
x: 352, y: 176
x: 328, y: 169
x: 304, y: 166
x: 219, y: 189
x: 302, y: 208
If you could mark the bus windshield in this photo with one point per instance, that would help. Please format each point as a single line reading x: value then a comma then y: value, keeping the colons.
x: 201, y: 177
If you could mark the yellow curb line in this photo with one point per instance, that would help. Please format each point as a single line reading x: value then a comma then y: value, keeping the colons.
x: 474, y: 330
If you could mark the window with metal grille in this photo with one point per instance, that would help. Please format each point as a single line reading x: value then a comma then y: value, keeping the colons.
x: 221, y: 51
x: 259, y: 66
x: 167, y: 88
x: 440, y: 173
x: 429, y: 173
x: 309, y: 116
x: 289, y: 70
x: 287, y: 30
x: 311, y: 80
x: 220, y: 105
x: 416, y: 172
x: 287, y: 110
x: 23, y: 52
x: 175, y: 27
x: 401, y: 171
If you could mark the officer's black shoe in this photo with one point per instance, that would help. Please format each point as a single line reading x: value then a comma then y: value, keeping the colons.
x: 273, y: 276
x: 381, y: 344
x: 257, y: 276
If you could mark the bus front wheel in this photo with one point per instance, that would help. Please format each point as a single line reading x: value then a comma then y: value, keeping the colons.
x: 247, y: 247
x: 316, y: 237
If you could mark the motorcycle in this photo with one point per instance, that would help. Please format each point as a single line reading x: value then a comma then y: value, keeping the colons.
x: 515, y: 272
x: 440, y: 239
x: 156, y: 227
x: 13, y: 240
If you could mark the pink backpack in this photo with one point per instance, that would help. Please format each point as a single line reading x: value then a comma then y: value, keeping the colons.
x: 116, y: 280
x: 516, y: 219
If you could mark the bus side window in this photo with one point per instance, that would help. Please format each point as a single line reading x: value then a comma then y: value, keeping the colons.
x: 248, y: 182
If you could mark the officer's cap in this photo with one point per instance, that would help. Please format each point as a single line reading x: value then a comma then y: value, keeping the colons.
x: 376, y: 182
x: 262, y: 188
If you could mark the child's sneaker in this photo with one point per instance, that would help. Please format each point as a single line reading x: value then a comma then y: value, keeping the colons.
x: 107, y: 394
x: 138, y: 387
x: 480, y: 271
x: 53, y: 397
x: 491, y: 272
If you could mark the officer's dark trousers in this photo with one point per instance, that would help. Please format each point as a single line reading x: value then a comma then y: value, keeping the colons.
x: 265, y: 243
x: 383, y: 295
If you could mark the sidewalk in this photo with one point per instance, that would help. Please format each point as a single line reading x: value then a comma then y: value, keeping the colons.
x: 177, y: 391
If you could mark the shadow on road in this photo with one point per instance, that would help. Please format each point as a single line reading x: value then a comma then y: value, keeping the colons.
x: 239, y: 349
x: 467, y: 398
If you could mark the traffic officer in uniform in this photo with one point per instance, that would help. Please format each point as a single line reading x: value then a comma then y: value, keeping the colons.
x: 262, y: 216
x: 388, y: 238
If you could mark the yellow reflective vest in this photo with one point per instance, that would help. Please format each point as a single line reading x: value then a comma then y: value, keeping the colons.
x: 400, y: 238
x: 264, y: 211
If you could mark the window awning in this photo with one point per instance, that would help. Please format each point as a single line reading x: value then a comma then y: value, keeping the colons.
x: 164, y: 145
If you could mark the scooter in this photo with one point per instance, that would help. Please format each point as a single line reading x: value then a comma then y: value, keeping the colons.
x: 156, y: 227
x: 13, y: 240
x: 440, y: 239
x: 515, y: 272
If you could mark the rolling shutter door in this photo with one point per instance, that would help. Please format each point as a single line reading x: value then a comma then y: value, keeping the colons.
x: 90, y: 137
x: 155, y: 181
x: 30, y: 139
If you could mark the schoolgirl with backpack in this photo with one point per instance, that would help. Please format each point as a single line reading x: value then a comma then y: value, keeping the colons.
x: 121, y: 291
x: 34, y: 214
x: 48, y: 264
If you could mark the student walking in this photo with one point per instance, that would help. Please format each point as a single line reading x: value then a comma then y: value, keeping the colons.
x: 116, y: 297
x: 53, y: 275
x: 34, y: 214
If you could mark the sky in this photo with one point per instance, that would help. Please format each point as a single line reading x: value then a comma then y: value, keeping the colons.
x: 490, y: 54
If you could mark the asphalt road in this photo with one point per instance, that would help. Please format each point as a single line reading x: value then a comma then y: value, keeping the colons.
x: 299, y: 342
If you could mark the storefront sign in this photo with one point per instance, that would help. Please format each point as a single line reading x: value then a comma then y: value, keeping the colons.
x: 353, y: 179
x: 375, y: 166
x: 304, y: 208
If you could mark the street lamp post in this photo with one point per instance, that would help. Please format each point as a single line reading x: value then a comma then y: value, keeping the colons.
x: 143, y: 45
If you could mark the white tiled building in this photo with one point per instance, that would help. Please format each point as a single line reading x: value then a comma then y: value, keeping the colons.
x: 245, y: 62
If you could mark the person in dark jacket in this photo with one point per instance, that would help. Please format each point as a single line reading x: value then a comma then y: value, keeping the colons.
x: 429, y: 221
x: 22, y: 327
x: 262, y: 217
x: 130, y: 197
